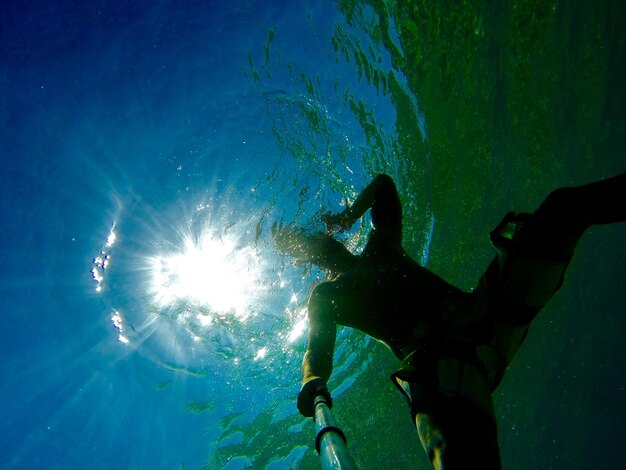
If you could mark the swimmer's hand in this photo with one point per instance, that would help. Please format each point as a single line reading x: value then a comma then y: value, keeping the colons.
x: 310, y: 389
x: 337, y: 222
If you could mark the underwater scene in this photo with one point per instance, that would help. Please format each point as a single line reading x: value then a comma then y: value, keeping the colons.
x: 149, y: 149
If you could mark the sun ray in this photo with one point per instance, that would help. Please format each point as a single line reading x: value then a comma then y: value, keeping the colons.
x: 215, y: 274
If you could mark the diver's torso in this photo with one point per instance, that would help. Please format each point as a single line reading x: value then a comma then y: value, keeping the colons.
x: 406, y: 303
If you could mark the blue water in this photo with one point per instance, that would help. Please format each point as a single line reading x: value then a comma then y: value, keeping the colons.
x: 131, y: 128
x: 144, y: 121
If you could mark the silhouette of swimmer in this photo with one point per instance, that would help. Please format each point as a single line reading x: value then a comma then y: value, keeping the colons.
x: 455, y: 346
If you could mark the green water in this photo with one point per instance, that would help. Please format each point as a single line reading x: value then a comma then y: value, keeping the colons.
x: 496, y: 103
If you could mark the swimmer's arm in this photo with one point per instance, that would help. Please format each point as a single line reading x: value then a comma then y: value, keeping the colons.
x: 318, y: 359
x: 317, y: 365
x: 365, y: 200
x: 381, y: 196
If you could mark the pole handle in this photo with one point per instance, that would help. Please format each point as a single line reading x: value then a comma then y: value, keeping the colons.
x: 330, y: 441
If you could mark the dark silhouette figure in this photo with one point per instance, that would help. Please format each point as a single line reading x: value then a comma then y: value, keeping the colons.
x: 455, y: 346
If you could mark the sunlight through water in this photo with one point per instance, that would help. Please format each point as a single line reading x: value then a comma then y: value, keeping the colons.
x: 212, y: 273
x: 200, y: 290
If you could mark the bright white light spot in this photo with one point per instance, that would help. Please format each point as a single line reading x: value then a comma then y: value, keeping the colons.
x: 112, y: 237
x: 117, y: 320
x: 213, y: 273
x: 102, y: 260
x: 97, y: 276
x: 205, y: 320
x: 118, y: 323
x: 297, y: 329
x: 260, y: 354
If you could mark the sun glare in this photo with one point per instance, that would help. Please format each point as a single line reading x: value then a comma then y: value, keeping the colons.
x: 215, y: 274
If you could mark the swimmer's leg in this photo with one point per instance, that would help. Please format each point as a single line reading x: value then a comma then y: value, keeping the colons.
x: 567, y: 213
x: 456, y: 435
x: 533, y: 266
